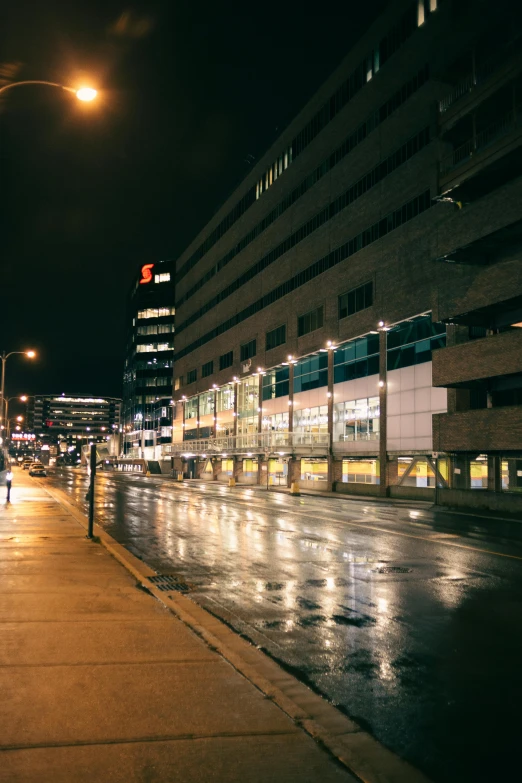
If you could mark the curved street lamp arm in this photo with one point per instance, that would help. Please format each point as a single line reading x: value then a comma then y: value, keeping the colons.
x: 36, y: 81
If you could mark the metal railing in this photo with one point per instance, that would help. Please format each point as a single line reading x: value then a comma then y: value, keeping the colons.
x: 503, y: 127
x: 258, y: 442
x: 482, y: 74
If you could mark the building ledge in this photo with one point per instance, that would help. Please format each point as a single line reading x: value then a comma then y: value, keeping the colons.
x: 465, y: 364
x: 482, y: 431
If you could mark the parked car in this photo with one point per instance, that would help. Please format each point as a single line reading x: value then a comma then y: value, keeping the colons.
x: 37, y: 470
x: 26, y: 464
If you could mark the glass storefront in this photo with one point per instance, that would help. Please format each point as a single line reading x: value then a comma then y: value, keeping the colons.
x: 227, y: 466
x: 277, y: 472
x: 191, y: 408
x: 314, y: 470
x: 250, y: 468
x: 311, y: 373
x: 275, y: 383
x: 357, y: 359
x: 248, y: 405
x: 225, y: 398
x: 361, y: 471
x: 224, y: 429
x: 478, y: 472
x: 356, y: 420
x: 311, y: 419
x: 278, y: 422
x: 206, y: 403
x: 420, y: 473
x: 512, y: 474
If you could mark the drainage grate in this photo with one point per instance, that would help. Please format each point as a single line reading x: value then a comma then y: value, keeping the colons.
x: 392, y: 570
x: 166, y: 583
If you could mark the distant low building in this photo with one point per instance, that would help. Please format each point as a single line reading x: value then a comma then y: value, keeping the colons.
x: 68, y: 421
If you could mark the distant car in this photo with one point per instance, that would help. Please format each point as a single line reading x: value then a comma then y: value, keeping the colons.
x: 37, y: 470
x: 26, y: 464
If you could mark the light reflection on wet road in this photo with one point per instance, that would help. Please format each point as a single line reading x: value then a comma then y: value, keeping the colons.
x: 427, y: 657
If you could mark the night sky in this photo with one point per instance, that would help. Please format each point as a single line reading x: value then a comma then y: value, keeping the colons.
x: 189, y: 93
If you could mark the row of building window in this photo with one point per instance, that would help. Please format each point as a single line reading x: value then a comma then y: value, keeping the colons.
x: 413, y: 341
x: 390, y: 222
x: 153, y: 347
x: 356, y: 137
x: 158, y: 381
x: 389, y: 44
x: 156, y: 312
x: 357, y: 299
x: 358, y: 189
x: 275, y: 337
x: 274, y: 171
x: 155, y: 329
x: 150, y: 364
x: 364, y: 72
x: 310, y: 321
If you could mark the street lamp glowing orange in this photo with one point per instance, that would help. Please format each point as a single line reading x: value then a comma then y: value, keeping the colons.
x: 86, y: 94
x: 30, y: 354
x: 23, y: 398
x: 19, y: 418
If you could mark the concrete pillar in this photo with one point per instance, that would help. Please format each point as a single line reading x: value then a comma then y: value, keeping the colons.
x: 262, y: 473
x: 237, y: 471
x: 294, y: 471
x: 330, y: 398
x: 236, y: 386
x: 291, y: 398
x: 392, y: 472
x: 494, y: 473
x: 214, y: 420
x: 460, y: 471
x: 216, y: 469
x: 260, y: 405
x: 383, y: 399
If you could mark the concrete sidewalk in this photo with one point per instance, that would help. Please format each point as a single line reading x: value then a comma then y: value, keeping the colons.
x: 101, y: 681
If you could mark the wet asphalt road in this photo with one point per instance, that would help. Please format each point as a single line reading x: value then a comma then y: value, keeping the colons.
x: 428, y: 657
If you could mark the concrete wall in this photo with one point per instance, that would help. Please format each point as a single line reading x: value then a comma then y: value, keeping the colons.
x: 481, y: 499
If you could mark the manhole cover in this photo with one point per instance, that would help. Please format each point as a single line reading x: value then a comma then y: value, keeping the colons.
x: 392, y: 570
x: 166, y: 583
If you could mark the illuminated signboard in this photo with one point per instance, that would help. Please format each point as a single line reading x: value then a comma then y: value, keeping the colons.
x: 23, y: 436
x: 146, y: 273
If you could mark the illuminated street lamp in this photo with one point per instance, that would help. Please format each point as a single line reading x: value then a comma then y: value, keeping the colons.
x: 85, y: 94
x: 4, y: 357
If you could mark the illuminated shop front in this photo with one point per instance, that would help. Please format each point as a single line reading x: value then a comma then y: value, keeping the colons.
x: 360, y: 471
x: 314, y: 471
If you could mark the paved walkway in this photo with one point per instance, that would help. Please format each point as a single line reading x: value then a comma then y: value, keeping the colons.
x: 99, y: 681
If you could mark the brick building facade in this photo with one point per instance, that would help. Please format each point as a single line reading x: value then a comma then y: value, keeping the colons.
x: 351, y: 315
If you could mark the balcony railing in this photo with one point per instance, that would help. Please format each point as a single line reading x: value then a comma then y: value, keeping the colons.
x: 482, y: 74
x: 503, y: 127
x: 258, y: 442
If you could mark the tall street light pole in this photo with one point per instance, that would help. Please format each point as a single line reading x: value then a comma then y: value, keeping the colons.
x: 4, y: 357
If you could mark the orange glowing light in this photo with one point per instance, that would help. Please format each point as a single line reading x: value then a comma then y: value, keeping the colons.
x: 146, y: 273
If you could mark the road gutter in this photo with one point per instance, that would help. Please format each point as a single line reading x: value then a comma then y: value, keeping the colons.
x: 358, y: 751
